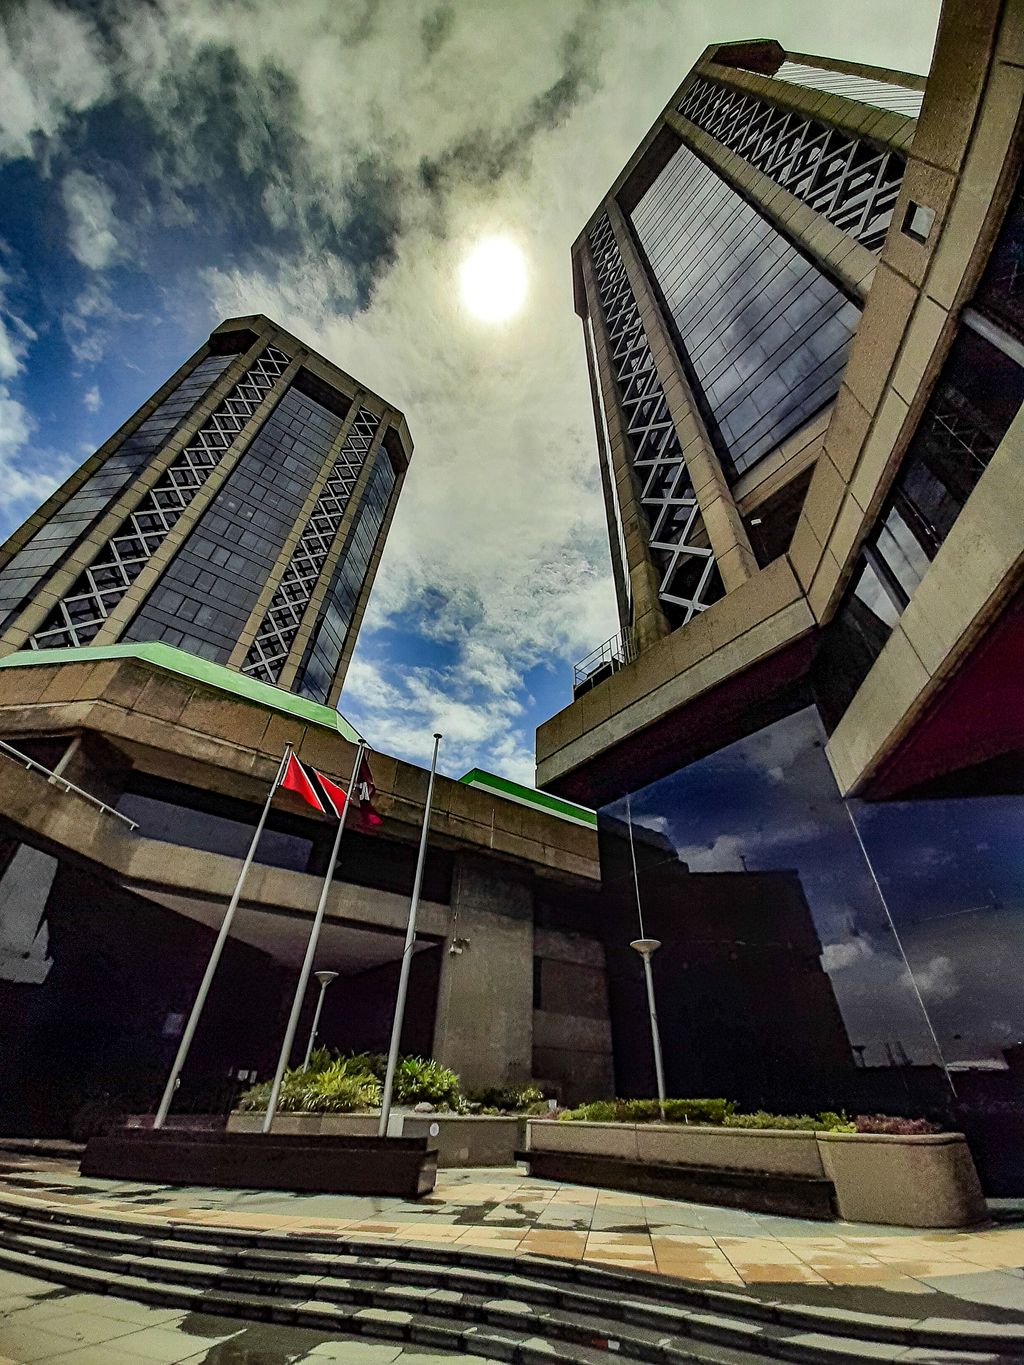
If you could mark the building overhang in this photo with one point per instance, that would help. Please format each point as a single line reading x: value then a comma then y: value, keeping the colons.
x: 180, y: 719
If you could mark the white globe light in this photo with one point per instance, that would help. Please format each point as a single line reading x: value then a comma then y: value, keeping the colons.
x: 493, y: 279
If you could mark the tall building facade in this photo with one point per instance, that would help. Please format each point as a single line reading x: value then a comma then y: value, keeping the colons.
x: 239, y: 515
x: 802, y: 310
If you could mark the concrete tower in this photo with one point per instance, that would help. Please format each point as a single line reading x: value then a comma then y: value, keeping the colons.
x: 239, y: 514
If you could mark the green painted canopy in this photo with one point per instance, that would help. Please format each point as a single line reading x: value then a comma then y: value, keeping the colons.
x: 530, y: 796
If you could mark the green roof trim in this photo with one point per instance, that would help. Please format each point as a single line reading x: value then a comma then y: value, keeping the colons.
x: 530, y: 796
x: 217, y: 676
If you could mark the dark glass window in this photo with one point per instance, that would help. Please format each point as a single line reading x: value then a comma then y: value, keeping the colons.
x: 204, y: 597
x: 816, y: 952
x: 323, y: 653
x: 69, y: 523
x: 978, y: 394
x: 173, y: 822
x: 764, y: 332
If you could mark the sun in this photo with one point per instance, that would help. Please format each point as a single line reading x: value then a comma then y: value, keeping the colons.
x: 493, y: 279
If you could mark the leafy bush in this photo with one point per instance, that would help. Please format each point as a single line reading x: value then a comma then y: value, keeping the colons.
x: 829, y: 1122
x: 886, y: 1123
x: 421, y: 1080
x: 709, y: 1111
x: 509, y: 1099
x: 336, y: 1090
x: 719, y: 1113
x: 339, y: 1085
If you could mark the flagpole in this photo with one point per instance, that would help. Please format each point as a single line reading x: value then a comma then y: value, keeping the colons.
x: 307, y: 963
x: 215, y: 956
x: 410, y: 940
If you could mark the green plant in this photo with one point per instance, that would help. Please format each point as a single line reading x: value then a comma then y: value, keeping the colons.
x: 337, y: 1090
x: 711, y: 1111
x: 341, y: 1084
x: 509, y: 1099
x: 834, y: 1123
x: 420, y: 1080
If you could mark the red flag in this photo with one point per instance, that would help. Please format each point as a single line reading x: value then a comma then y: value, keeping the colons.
x: 335, y: 795
x: 365, y: 789
x: 297, y: 779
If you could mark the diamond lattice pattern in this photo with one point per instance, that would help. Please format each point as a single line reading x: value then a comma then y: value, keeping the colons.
x: 77, y: 618
x: 279, y: 627
x: 689, y: 577
x: 848, y: 180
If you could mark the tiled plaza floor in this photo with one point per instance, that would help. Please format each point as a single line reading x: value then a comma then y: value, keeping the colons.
x: 973, y: 1273
x: 43, y: 1322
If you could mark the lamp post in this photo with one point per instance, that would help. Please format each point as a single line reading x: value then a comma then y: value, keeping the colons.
x: 646, y: 947
x: 325, y: 979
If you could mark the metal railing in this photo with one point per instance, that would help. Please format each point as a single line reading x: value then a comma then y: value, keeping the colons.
x: 58, y: 781
x: 603, y: 661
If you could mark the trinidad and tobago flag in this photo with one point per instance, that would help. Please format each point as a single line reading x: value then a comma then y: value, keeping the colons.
x: 319, y: 791
x: 326, y: 796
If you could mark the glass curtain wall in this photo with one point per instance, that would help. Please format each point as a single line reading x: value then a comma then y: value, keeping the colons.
x: 765, y: 332
x: 817, y: 953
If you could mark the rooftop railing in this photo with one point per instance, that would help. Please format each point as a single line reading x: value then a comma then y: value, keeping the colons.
x: 602, y: 662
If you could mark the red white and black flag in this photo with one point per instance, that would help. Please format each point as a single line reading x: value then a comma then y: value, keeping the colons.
x: 314, y: 788
x: 365, y: 789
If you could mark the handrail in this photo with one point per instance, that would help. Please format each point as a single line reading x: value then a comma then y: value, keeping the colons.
x: 58, y: 781
x: 616, y: 651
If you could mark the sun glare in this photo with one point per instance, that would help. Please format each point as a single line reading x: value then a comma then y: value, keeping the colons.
x: 493, y: 279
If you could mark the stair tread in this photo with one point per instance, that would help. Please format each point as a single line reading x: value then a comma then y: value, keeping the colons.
x: 39, y: 1231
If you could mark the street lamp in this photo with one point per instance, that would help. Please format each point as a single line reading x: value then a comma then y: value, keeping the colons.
x: 646, y: 947
x: 325, y: 979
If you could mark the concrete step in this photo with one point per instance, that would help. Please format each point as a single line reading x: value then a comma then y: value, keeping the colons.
x: 572, y: 1307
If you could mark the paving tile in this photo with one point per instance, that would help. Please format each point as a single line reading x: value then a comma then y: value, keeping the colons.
x: 30, y: 1343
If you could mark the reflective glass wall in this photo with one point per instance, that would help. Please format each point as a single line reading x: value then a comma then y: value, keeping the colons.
x: 817, y: 953
x: 765, y: 332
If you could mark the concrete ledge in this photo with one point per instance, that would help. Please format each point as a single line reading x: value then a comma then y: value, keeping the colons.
x: 926, y: 1181
x: 339, y: 1165
x: 916, y: 1182
x: 461, y: 1139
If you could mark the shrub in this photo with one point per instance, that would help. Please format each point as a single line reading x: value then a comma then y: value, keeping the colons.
x: 509, y: 1099
x: 421, y: 1080
x: 336, y: 1090
x: 829, y: 1122
x: 649, y: 1111
x: 886, y: 1123
x: 340, y: 1085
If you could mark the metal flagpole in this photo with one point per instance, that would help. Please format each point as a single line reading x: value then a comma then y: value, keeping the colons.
x: 410, y: 939
x: 218, y: 948
x: 307, y: 963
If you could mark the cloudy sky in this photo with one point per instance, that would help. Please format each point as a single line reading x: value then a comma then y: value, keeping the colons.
x: 168, y: 163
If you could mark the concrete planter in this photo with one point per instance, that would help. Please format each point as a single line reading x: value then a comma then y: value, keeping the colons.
x: 916, y: 1182
x: 460, y: 1140
x: 277, y: 1161
x: 926, y: 1181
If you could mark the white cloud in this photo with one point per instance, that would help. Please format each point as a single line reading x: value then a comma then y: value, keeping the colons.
x: 51, y: 67
x: 90, y: 321
x: 21, y: 481
x: 408, y: 134
x: 92, y: 400
x: 92, y: 219
x: 935, y: 979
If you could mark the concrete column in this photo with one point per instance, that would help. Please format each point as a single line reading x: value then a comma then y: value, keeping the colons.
x: 484, y: 1022
x: 649, y: 620
x: 722, y: 521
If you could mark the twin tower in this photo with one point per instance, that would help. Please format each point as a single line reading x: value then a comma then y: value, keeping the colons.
x: 240, y: 515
